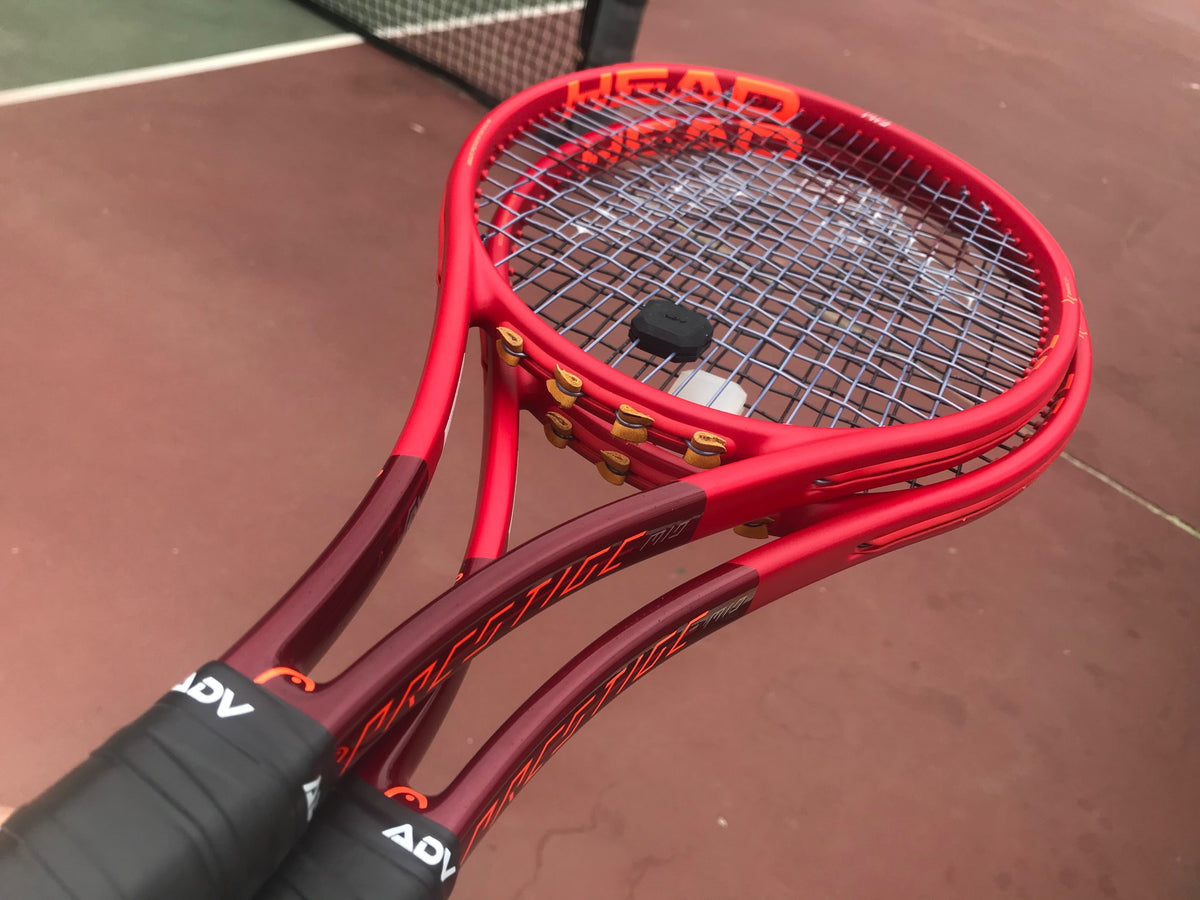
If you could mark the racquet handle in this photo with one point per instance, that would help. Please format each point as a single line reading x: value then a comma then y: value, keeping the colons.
x: 198, y: 799
x: 368, y: 847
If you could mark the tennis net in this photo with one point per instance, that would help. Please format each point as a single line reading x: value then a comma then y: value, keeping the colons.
x: 493, y: 48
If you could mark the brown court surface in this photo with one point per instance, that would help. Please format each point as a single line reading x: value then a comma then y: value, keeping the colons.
x: 216, y: 293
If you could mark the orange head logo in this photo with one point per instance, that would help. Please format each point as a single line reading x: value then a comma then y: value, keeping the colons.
x: 409, y: 796
x: 296, y: 678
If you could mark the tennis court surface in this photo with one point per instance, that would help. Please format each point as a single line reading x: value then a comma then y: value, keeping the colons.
x: 218, y: 284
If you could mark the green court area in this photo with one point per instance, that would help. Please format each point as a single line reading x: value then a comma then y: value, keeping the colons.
x: 54, y: 40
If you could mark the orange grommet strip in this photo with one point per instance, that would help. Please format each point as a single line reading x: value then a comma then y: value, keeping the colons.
x: 564, y: 387
x: 510, y: 346
x: 613, y: 466
x: 758, y: 529
x: 559, y: 429
x: 630, y: 425
x: 704, y: 450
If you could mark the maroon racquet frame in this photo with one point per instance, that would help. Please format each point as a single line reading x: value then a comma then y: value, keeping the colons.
x: 376, y: 841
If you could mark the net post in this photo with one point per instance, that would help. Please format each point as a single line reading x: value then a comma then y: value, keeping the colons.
x: 609, y: 31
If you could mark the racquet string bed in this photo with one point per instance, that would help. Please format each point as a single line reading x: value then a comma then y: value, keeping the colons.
x: 845, y: 287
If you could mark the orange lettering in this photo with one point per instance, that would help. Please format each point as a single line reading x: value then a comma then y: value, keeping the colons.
x: 364, y: 731
x: 707, y: 133
x: 628, y: 677
x: 577, y: 719
x: 533, y: 592
x: 651, y: 660
x: 768, y: 139
x: 612, y: 563
x: 441, y: 675
x: 679, y: 644
x: 633, y: 80
x: 524, y: 609
x: 701, y: 81
x: 784, y: 102
x: 554, y: 590
x: 545, y: 751
x: 589, y: 159
x: 485, y: 638
x: 637, y: 138
x: 407, y: 701
x: 487, y: 819
x: 577, y: 95
x: 583, y: 575
x: 631, y: 141
x: 608, y: 687
x: 515, y: 784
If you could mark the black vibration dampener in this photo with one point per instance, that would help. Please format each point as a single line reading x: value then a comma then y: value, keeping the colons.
x: 667, y: 329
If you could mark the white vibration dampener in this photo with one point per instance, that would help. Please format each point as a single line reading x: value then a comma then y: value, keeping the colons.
x: 709, y: 390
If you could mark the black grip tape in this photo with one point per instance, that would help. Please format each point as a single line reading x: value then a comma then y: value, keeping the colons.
x: 365, y: 846
x: 199, y: 799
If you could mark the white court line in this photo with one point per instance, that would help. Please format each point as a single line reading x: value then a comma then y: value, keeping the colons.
x: 71, y: 86
x: 477, y: 19
x: 1154, y: 508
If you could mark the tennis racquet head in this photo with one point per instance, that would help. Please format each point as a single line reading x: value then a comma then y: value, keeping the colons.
x: 711, y: 265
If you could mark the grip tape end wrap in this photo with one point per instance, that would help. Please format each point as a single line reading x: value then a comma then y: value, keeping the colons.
x: 365, y: 846
x: 198, y: 799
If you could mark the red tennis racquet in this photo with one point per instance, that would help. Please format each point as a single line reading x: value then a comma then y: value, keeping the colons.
x: 365, y: 843
x: 746, y: 299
